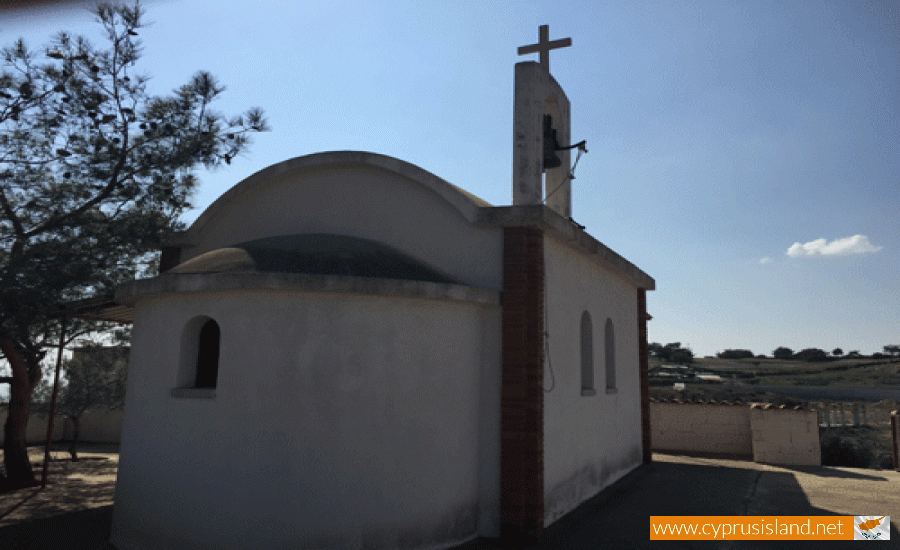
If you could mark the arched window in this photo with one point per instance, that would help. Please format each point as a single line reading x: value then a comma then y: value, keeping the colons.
x: 198, y: 363
x: 207, y: 355
x: 587, y: 355
x: 610, y: 356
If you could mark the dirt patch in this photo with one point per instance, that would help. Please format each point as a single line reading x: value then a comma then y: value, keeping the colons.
x: 71, y: 486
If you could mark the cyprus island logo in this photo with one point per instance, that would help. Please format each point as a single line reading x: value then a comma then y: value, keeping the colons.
x: 871, y: 527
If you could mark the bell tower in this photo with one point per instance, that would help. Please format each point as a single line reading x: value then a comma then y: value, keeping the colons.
x: 541, y: 121
x: 537, y: 177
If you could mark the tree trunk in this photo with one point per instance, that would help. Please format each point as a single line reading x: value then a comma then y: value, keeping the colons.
x: 15, y: 450
x: 76, y: 425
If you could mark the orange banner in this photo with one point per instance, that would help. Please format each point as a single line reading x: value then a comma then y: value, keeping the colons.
x: 751, y: 527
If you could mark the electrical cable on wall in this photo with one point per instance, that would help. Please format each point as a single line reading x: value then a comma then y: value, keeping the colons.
x: 547, y: 344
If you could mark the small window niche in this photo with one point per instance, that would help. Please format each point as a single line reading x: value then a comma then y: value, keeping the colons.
x: 610, y: 345
x: 587, y: 356
x: 198, y: 369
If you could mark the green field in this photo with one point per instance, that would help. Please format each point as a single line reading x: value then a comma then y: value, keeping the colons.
x: 844, y: 373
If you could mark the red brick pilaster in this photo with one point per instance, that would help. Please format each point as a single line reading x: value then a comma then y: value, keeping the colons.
x: 644, y: 362
x: 522, y: 397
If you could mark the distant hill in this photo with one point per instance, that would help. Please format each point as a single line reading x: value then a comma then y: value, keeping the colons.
x: 843, y: 373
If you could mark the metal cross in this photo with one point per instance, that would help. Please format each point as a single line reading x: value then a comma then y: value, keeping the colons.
x: 544, y: 46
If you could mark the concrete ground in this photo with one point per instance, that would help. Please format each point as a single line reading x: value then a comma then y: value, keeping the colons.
x: 616, y: 519
x: 619, y: 517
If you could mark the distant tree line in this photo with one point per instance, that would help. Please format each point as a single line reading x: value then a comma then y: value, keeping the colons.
x: 675, y: 353
x: 671, y: 353
x: 808, y: 354
x: 735, y: 354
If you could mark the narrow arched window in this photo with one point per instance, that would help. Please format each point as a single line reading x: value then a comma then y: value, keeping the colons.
x: 587, y: 354
x: 610, y: 346
x: 208, y: 355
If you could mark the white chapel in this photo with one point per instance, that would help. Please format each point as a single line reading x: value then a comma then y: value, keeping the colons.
x: 346, y: 351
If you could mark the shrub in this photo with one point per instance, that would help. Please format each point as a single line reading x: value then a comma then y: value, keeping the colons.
x: 855, y: 447
x: 811, y: 354
x: 842, y: 451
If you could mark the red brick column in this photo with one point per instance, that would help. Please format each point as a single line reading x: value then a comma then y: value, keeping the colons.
x: 644, y: 363
x: 522, y: 396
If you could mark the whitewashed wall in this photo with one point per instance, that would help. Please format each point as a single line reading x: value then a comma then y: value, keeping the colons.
x: 339, y: 421
x: 589, y: 440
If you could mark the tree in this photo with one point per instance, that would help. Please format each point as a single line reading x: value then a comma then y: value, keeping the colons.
x: 94, y: 379
x: 94, y: 173
x: 783, y: 353
x: 735, y: 354
x: 671, y: 353
x: 681, y: 355
x: 837, y: 352
x: 892, y: 350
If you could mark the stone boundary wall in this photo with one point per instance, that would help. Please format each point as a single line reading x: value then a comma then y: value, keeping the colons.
x: 709, y: 428
x: 96, y: 427
x: 787, y: 436
x: 764, y: 433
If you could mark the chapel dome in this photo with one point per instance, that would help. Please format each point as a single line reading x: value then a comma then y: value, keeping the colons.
x: 313, y: 254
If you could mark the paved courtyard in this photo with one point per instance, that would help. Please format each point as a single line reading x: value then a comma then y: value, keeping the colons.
x: 75, y: 510
x: 618, y: 518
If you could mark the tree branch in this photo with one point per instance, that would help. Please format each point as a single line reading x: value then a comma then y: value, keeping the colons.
x: 11, y: 215
x: 104, y: 193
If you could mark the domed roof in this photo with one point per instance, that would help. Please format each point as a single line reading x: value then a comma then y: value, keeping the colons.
x: 314, y: 254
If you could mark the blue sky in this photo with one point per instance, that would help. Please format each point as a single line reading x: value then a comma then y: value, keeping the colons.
x: 721, y: 135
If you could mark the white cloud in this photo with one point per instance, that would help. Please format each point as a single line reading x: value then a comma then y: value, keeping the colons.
x: 766, y: 260
x: 857, y: 244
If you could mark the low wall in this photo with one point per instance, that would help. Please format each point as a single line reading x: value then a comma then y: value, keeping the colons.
x: 96, y: 427
x: 702, y: 428
x: 785, y: 436
x: 763, y: 433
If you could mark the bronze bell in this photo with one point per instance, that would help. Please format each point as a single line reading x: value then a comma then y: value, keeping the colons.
x: 551, y: 160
